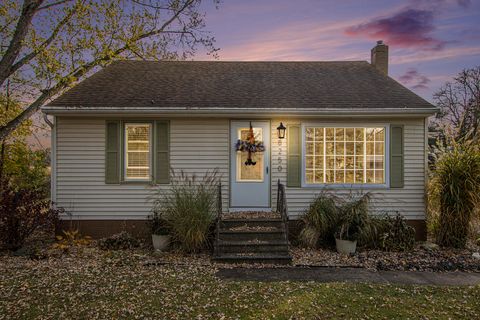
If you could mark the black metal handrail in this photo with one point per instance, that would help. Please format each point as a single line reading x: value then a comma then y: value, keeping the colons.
x: 282, y: 206
x: 219, y: 215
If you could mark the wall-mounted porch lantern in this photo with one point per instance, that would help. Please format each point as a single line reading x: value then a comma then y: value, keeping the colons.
x: 281, y: 131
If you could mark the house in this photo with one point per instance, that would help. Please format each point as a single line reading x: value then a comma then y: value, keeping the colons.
x: 349, y: 126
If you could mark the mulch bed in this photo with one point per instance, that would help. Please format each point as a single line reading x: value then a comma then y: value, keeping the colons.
x: 419, y: 259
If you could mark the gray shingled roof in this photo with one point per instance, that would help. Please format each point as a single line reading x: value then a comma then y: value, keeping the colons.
x: 128, y: 85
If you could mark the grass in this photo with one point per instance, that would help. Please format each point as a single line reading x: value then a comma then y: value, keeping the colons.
x: 104, y: 285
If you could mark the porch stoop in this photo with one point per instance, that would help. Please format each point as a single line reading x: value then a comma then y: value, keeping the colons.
x: 252, y: 240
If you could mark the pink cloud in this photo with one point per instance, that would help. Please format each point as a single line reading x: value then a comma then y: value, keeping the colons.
x: 405, y: 29
x: 414, y: 79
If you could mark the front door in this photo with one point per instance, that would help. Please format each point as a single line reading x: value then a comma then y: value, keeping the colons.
x: 250, y: 183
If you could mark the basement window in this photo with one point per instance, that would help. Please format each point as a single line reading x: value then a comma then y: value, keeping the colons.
x: 138, y: 138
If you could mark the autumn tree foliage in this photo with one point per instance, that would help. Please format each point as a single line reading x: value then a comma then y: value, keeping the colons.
x: 47, y: 46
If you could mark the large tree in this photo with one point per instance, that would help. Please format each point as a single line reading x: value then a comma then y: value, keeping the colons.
x: 46, y: 46
x: 459, y: 103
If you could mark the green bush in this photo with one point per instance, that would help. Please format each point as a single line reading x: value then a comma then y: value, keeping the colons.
x: 454, y: 195
x: 353, y: 220
x: 189, y: 206
x: 389, y: 233
x: 319, y: 221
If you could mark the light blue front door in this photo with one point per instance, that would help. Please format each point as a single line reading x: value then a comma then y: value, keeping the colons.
x: 250, y: 184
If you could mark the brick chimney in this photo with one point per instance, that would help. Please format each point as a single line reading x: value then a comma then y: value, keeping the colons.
x: 380, y: 57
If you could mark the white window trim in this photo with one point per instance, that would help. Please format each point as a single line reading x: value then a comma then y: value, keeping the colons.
x: 385, y: 185
x: 150, y: 150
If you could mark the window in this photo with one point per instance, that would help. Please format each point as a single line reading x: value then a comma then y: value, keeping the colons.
x: 336, y: 155
x: 137, y: 151
x: 250, y: 173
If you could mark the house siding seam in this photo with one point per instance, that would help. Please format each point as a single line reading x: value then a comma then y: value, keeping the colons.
x: 409, y: 200
x: 196, y: 147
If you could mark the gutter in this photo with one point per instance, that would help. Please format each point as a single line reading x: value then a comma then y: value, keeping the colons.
x: 188, y: 111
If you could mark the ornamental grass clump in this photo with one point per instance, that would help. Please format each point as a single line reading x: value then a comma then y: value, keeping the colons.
x: 319, y: 221
x: 454, y: 195
x: 189, y: 206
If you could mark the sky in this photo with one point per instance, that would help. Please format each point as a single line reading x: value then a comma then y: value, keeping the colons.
x: 430, y: 41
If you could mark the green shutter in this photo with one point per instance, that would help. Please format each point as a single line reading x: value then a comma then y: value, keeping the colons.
x: 112, y: 152
x: 162, y: 152
x: 396, y: 156
x: 294, y: 156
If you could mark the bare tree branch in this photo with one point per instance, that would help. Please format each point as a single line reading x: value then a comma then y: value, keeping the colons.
x: 30, y: 7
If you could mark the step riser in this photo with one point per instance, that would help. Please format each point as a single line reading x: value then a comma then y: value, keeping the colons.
x: 251, y: 249
x: 252, y: 237
x: 225, y: 224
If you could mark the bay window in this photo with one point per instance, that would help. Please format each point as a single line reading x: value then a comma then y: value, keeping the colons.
x: 344, y: 155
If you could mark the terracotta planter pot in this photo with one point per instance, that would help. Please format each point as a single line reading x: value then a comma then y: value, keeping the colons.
x: 346, y: 246
x: 160, y: 242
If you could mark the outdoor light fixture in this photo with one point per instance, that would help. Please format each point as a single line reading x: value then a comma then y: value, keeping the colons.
x: 281, y: 131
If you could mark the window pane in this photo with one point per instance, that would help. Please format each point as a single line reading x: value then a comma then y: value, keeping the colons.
x: 339, y: 162
x: 379, y: 148
x: 339, y: 176
x: 319, y: 162
x: 309, y: 176
x: 137, y: 153
x: 359, y: 176
x: 349, y: 148
x: 309, y: 162
x: 330, y: 164
x: 359, y: 162
x: 318, y: 134
x: 370, y: 176
x: 329, y: 148
x: 350, y: 134
x: 309, y: 148
x: 339, y: 149
x: 319, y: 148
x: 359, y: 134
x: 370, y: 134
x: 250, y: 172
x: 329, y: 176
x: 329, y: 133
x: 318, y: 176
x: 309, y: 134
x: 359, y: 148
x: 378, y: 162
x: 349, y: 176
x: 349, y: 162
x: 340, y: 134
x: 370, y: 163
x: 370, y: 150
x: 379, y: 176
x: 379, y: 134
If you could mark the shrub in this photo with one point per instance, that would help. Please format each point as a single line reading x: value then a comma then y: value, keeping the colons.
x: 454, y: 194
x: 189, y: 206
x: 119, y: 241
x: 23, y: 211
x: 319, y: 221
x: 353, y: 219
x: 389, y: 233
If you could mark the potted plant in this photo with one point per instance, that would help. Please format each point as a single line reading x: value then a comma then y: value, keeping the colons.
x: 160, y: 229
x: 352, y: 222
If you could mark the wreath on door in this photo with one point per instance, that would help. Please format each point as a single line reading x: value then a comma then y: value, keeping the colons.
x: 249, y: 145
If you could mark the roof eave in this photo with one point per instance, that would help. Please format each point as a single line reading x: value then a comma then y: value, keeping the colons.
x: 60, y: 110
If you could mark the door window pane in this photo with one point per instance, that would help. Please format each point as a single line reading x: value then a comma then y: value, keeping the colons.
x: 251, y: 173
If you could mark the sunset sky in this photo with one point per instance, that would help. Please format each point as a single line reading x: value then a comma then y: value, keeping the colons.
x: 430, y: 41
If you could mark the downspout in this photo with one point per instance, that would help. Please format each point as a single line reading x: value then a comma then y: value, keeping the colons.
x: 53, y: 158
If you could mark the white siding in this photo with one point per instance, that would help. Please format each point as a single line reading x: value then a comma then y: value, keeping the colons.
x: 196, y: 146
x: 408, y: 200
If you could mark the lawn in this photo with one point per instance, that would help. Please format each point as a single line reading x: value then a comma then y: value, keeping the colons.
x: 105, y: 285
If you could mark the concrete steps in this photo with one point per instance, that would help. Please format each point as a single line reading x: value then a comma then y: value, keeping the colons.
x: 255, y: 240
